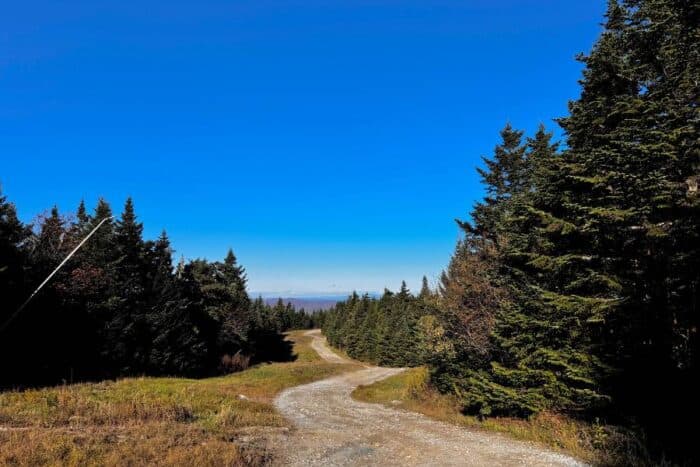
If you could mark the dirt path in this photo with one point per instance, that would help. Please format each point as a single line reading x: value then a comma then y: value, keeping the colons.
x: 332, y: 429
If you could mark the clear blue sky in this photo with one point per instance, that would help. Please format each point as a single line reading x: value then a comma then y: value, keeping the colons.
x: 330, y: 143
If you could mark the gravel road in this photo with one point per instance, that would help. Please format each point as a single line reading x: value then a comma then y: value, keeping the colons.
x: 332, y: 429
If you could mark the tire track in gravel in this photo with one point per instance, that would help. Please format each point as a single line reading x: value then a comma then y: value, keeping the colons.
x: 332, y: 429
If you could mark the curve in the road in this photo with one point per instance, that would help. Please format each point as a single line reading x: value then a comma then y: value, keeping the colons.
x: 332, y: 429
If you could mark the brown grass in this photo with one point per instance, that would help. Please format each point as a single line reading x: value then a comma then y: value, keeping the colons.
x: 155, y: 421
x: 593, y: 443
x: 238, y: 362
x: 140, y: 444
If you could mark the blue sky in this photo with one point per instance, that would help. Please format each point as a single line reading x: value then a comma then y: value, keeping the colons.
x: 330, y: 143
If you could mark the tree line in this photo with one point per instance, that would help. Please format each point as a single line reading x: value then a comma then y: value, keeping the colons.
x: 576, y: 286
x: 283, y: 316
x: 384, y: 330
x: 121, y: 306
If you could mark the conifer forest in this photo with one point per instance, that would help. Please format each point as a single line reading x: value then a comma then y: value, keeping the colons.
x: 123, y: 306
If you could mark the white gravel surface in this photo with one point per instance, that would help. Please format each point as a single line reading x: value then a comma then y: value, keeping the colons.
x: 332, y: 429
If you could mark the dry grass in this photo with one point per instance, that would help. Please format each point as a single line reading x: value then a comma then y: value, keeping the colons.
x: 140, y: 444
x: 154, y: 421
x: 595, y: 444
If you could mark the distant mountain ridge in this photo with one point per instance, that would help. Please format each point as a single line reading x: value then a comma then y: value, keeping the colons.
x: 308, y: 303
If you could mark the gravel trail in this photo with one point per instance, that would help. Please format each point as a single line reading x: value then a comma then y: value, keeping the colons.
x: 332, y: 429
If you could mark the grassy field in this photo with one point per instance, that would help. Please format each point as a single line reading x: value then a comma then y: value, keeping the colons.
x: 155, y: 421
x: 592, y: 443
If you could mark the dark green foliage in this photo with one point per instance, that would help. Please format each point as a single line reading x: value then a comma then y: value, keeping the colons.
x: 182, y: 332
x: 13, y: 235
x: 127, y: 325
x: 503, y: 176
x: 633, y: 161
x: 226, y: 302
x: 119, y: 308
x: 385, y: 331
x: 285, y: 317
x: 576, y: 287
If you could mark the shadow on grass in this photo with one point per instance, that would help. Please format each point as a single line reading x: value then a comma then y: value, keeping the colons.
x: 273, y: 348
x: 21, y: 374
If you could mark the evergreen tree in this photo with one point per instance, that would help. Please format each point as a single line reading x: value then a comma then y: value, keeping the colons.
x: 160, y: 263
x: 350, y: 326
x: 127, y: 326
x: 100, y: 251
x: 590, y: 247
x: 633, y: 155
x: 12, y: 236
x: 47, y: 247
x: 82, y: 216
x: 181, y: 331
x: 129, y: 242
x: 82, y: 288
x: 470, y: 293
x: 77, y: 229
x: 238, y: 323
x: 117, y: 307
x: 383, y: 331
x: 503, y: 176
x: 425, y: 292
x: 45, y: 252
x: 262, y: 316
x: 278, y: 316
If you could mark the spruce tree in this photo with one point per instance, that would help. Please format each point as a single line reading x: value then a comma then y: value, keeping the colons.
x: 636, y: 123
x: 406, y: 315
x: 13, y: 235
x: 100, y: 251
x: 89, y: 289
x: 178, y: 324
x: 384, y: 331
x: 591, y: 250
x: 425, y: 292
x: 129, y: 241
x: 66, y: 341
x: 362, y: 344
x: 278, y: 315
x: 81, y: 215
x: 128, y: 323
x: 474, y: 287
x: 77, y: 230
x: 352, y: 317
x: 261, y: 315
x: 48, y: 247
x: 237, y: 324
x: 161, y: 261
x: 82, y: 286
x: 116, y: 307
x: 503, y: 175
